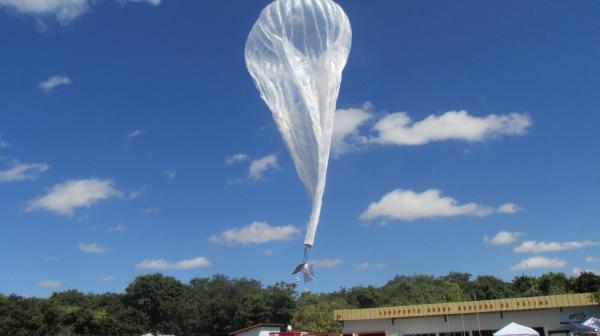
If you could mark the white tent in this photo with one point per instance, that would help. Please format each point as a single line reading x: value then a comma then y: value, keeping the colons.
x: 593, y: 322
x: 514, y: 329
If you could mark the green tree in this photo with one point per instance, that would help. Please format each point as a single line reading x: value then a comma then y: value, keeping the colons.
x: 157, y: 297
x: 554, y: 283
x: 315, y: 313
x: 489, y: 287
x: 587, y: 282
x: 524, y: 285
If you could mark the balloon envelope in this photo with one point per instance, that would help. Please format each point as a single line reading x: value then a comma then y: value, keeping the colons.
x: 295, y: 53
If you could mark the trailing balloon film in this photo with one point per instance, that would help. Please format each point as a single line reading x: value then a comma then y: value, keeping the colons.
x: 295, y: 53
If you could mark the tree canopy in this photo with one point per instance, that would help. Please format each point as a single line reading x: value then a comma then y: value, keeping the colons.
x: 219, y: 305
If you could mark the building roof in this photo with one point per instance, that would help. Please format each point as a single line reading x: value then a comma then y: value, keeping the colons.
x: 259, y: 325
x: 468, y: 307
x: 570, y: 327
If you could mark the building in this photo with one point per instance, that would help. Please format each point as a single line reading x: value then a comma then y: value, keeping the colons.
x: 474, y: 318
x: 261, y: 329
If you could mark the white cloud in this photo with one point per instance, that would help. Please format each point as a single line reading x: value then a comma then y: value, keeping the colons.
x: 151, y: 2
x: 532, y: 246
x: 152, y: 209
x: 346, y: 137
x: 161, y: 264
x: 326, y: 263
x: 135, y: 133
x: 503, y: 238
x: 508, y: 208
x: 171, y: 173
x: 192, y: 263
x: 366, y: 266
x: 136, y: 193
x: 51, y: 284
x: 256, y: 233
x: 93, y: 248
x: 578, y: 271
x: 399, y: 129
x: 119, y: 228
x: 54, y: 81
x: 260, y: 166
x: 22, y: 171
x: 107, y: 279
x: 235, y: 158
x: 592, y: 259
x: 3, y: 143
x: 409, y: 205
x: 65, y: 197
x: 539, y: 262
x: 64, y: 11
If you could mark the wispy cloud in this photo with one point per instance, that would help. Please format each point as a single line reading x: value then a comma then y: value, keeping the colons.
x: 538, y: 262
x: 532, y: 246
x: 235, y: 158
x: 402, y: 204
x: 3, y: 143
x: 162, y: 264
x: 268, y: 252
x: 136, y: 193
x: 151, y: 2
x: 64, y: 198
x: 508, y: 208
x: 135, y: 133
x: 50, y: 284
x: 92, y: 248
x: 152, y: 210
x: 363, y: 266
x: 64, y: 11
x: 53, y: 82
x: 22, y: 171
x: 171, y: 173
x: 503, y: 238
x: 120, y: 228
x: 259, y: 167
x: 592, y: 259
x: 107, y: 279
x: 256, y: 233
x: 326, y: 263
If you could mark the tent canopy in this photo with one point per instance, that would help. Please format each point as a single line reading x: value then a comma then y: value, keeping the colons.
x: 515, y: 329
x: 571, y: 327
x: 593, y: 322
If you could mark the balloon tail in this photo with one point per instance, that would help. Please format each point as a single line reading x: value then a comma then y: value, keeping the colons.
x: 305, y: 267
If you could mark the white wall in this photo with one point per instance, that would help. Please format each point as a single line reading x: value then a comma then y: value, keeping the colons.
x: 546, y: 318
x: 260, y: 331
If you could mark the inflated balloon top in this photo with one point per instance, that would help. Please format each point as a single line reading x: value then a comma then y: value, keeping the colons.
x: 296, y: 52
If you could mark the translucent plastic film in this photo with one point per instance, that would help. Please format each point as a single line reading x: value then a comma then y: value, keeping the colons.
x: 296, y: 52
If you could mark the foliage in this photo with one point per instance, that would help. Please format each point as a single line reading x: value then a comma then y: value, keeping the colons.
x: 315, y: 313
x: 219, y: 305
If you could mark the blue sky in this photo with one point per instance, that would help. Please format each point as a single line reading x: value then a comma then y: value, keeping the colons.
x: 120, y: 122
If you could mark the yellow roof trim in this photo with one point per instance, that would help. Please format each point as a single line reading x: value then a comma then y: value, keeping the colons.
x: 468, y: 307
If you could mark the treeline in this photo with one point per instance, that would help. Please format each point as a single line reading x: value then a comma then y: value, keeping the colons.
x: 218, y: 305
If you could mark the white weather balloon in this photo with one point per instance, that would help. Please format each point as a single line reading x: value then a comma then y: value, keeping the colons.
x: 296, y: 52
